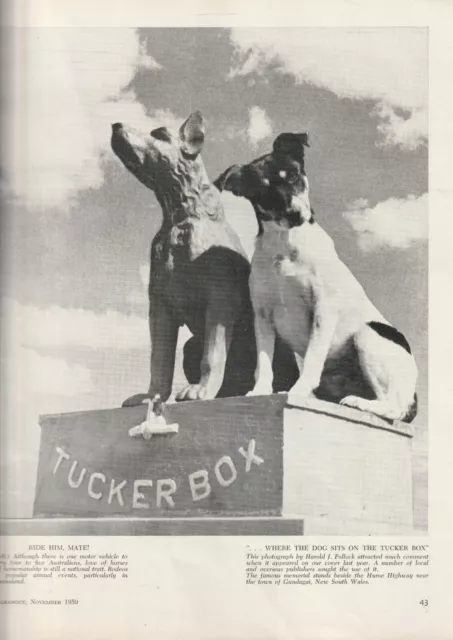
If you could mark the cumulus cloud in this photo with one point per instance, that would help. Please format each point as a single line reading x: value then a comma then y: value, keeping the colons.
x: 387, y: 65
x: 145, y: 61
x: 75, y: 84
x: 397, y: 222
x: 251, y: 60
x: 56, y: 326
x: 25, y: 330
x: 260, y: 126
x: 47, y: 375
x: 31, y: 328
x: 399, y: 131
x: 32, y: 384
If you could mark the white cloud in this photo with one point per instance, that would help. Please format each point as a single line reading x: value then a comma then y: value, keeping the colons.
x: 32, y: 384
x: 28, y: 328
x: 260, y: 126
x: 55, y: 326
x: 45, y: 375
x: 253, y: 59
x: 61, y: 107
x: 386, y: 65
x: 395, y: 223
x: 399, y: 131
x: 25, y: 329
x: 145, y: 61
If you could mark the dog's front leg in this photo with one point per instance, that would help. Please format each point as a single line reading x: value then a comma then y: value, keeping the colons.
x: 219, y: 326
x: 265, y: 342
x: 164, y: 335
x: 311, y: 366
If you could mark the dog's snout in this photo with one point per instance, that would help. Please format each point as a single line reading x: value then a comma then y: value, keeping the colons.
x: 117, y: 126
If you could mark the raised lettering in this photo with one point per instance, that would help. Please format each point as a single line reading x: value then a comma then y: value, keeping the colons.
x: 96, y: 495
x: 116, y: 491
x: 137, y: 495
x: 61, y: 454
x: 75, y: 484
x: 165, y: 493
x: 250, y: 456
x: 199, y: 485
x: 226, y: 460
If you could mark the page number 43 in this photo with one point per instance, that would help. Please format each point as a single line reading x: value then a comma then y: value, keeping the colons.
x: 424, y: 603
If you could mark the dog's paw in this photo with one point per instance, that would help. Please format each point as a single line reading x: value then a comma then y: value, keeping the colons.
x: 295, y: 399
x: 192, y: 392
x: 138, y: 398
x: 355, y: 402
x: 261, y: 390
x: 300, y: 390
x: 298, y: 394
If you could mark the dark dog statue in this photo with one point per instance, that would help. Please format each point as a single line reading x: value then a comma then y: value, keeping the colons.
x: 199, y: 272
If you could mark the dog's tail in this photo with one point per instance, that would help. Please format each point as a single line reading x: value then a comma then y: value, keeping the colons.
x: 412, y: 411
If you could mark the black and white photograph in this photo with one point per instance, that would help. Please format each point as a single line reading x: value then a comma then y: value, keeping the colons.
x: 215, y: 281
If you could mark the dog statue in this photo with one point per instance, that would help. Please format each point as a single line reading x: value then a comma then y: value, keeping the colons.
x: 346, y: 350
x: 199, y: 272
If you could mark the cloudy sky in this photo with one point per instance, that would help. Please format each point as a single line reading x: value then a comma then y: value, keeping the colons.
x: 78, y: 227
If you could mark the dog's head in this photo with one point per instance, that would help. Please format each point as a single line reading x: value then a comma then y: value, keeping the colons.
x: 275, y: 184
x: 161, y: 157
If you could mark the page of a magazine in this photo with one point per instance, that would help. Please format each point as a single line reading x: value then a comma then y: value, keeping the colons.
x: 215, y: 277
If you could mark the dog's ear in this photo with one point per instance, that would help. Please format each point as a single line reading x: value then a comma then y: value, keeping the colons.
x: 230, y: 180
x: 192, y: 132
x: 291, y: 144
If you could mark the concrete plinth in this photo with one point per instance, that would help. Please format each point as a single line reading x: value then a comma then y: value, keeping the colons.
x: 346, y: 472
x: 236, y: 466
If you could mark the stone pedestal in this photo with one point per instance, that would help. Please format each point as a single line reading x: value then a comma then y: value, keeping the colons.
x: 236, y: 466
x: 346, y: 472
